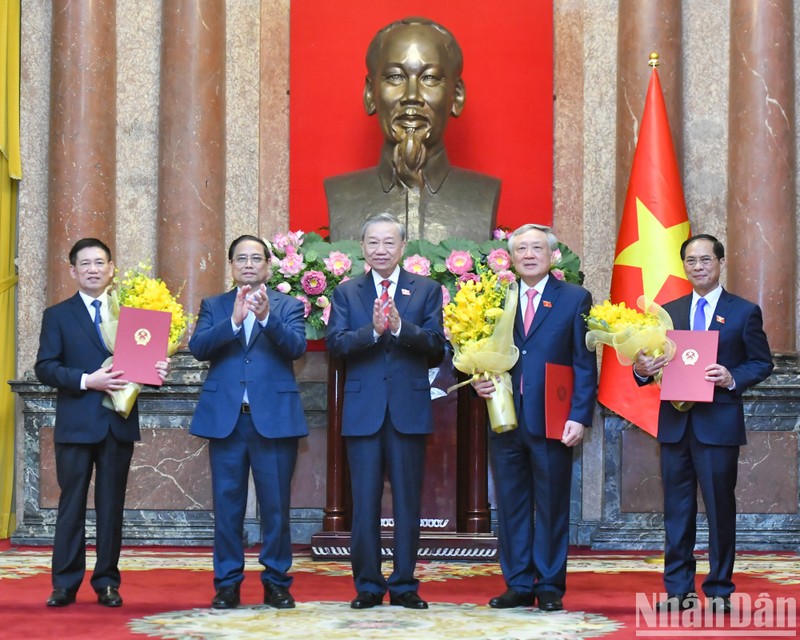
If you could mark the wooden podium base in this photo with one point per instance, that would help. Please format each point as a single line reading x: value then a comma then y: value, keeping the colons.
x: 463, y: 547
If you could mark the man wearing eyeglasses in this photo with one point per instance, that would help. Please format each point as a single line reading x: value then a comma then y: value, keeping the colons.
x: 89, y: 438
x: 251, y: 413
x: 701, y: 445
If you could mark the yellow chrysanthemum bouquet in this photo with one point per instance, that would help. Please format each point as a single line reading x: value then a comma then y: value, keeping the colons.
x: 138, y: 289
x: 480, y: 325
x: 629, y: 330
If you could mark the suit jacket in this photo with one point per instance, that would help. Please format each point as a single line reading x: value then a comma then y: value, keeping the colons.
x: 743, y: 350
x: 264, y: 367
x: 392, y: 372
x: 557, y: 335
x: 69, y: 347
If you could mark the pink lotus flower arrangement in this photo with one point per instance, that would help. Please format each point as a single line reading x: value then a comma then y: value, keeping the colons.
x: 455, y: 261
x: 309, y: 268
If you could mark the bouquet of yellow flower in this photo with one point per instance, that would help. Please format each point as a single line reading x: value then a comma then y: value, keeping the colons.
x: 480, y: 324
x: 629, y: 331
x: 140, y: 290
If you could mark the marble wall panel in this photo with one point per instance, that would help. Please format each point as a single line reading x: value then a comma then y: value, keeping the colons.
x: 767, y: 474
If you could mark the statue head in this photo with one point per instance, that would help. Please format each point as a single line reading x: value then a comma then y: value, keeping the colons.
x: 414, y: 85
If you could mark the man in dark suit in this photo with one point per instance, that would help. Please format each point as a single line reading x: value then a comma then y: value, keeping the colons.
x: 701, y: 445
x: 88, y: 436
x: 251, y: 412
x: 532, y: 474
x: 387, y: 326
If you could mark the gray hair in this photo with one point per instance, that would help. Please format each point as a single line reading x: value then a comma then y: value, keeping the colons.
x: 383, y: 217
x: 548, y: 231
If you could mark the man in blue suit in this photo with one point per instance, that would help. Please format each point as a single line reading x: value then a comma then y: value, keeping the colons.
x: 250, y: 411
x: 387, y: 326
x: 701, y: 445
x: 88, y: 436
x: 532, y: 474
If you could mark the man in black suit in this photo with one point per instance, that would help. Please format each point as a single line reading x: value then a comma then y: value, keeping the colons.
x: 87, y: 435
x: 701, y: 445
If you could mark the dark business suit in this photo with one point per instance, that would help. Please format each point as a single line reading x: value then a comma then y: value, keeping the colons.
x: 87, y: 436
x: 387, y: 416
x: 264, y: 440
x: 702, y: 446
x: 532, y: 474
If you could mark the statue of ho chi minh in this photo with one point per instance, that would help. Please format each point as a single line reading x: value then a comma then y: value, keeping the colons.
x: 414, y: 85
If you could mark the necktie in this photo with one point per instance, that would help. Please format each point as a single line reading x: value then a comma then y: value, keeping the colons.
x: 527, y: 321
x: 699, y: 323
x: 98, y: 320
x: 530, y: 310
x: 385, y: 299
x: 249, y: 321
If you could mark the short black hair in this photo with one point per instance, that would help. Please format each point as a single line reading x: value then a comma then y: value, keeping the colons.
x: 719, y: 249
x: 87, y: 243
x: 245, y: 238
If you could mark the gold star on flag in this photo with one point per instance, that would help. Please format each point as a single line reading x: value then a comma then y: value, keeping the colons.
x: 656, y: 252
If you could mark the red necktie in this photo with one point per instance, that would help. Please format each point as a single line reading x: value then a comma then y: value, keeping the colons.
x: 530, y: 310
x: 385, y: 299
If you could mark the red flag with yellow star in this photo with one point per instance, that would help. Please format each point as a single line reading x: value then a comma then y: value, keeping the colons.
x: 654, y: 224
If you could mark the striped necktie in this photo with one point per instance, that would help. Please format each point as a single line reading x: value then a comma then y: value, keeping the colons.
x: 98, y: 320
x: 385, y: 300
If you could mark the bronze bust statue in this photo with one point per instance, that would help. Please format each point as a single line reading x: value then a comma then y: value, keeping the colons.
x: 414, y: 84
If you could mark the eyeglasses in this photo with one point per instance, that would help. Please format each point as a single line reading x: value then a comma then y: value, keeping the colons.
x: 704, y: 261
x: 85, y: 265
x: 255, y: 260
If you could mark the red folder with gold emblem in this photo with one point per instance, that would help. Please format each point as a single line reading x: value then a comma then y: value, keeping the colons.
x: 558, y: 382
x: 142, y: 340
x: 684, y: 377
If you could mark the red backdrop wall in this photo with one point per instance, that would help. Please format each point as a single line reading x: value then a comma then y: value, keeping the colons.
x: 505, y: 130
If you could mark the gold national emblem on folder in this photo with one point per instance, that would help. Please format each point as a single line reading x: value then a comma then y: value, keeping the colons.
x: 142, y: 337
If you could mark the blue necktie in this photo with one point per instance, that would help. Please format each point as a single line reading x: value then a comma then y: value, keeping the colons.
x: 699, y: 323
x: 249, y: 321
x: 98, y: 319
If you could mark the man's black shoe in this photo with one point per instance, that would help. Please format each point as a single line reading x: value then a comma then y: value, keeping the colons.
x: 61, y: 597
x: 549, y: 601
x: 511, y: 599
x: 409, y: 600
x: 226, y: 597
x: 679, y: 602
x: 366, y: 600
x: 720, y: 604
x: 277, y: 596
x: 109, y: 597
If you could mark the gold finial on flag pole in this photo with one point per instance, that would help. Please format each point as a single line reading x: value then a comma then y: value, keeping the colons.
x: 653, y: 62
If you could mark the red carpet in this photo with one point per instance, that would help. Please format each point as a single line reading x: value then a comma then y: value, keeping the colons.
x: 167, y: 593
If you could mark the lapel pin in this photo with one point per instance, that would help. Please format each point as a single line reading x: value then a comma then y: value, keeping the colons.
x: 405, y: 292
x: 720, y: 319
x: 547, y: 303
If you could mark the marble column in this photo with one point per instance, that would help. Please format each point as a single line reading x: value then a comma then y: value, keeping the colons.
x: 645, y: 27
x: 191, y: 172
x: 762, y: 239
x: 82, y: 143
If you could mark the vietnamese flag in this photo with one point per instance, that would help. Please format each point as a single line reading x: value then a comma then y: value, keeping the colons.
x: 647, y: 259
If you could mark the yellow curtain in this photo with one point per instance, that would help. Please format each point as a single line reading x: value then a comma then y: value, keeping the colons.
x: 10, y: 173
